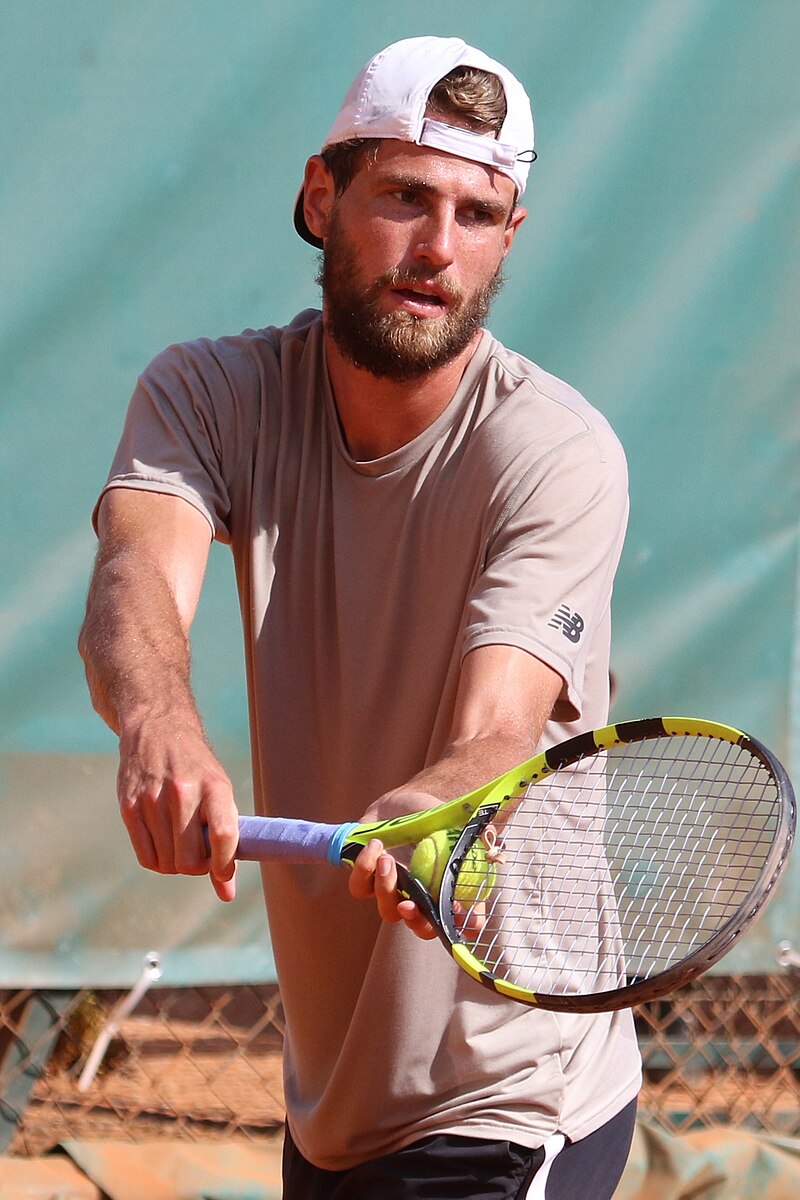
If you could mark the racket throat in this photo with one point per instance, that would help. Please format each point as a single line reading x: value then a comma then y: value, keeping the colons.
x: 472, y: 831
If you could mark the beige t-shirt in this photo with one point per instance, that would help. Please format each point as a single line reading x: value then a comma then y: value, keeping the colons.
x: 362, y: 587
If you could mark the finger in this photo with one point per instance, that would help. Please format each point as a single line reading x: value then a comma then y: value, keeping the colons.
x: 223, y: 865
x: 148, y: 826
x: 157, y: 817
x: 140, y: 839
x: 469, y: 921
x: 419, y: 925
x: 220, y: 817
x: 386, y: 895
x: 362, y: 876
x: 225, y: 888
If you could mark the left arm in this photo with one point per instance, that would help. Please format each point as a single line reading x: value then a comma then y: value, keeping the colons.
x: 504, y: 698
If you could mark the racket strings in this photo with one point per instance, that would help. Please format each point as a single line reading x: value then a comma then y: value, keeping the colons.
x: 619, y: 867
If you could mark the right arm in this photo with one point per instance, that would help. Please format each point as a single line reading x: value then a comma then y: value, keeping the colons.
x: 135, y: 646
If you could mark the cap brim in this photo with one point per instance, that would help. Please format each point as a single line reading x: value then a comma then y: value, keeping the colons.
x: 300, y: 223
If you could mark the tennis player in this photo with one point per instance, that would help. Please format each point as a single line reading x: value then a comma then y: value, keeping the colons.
x: 425, y: 528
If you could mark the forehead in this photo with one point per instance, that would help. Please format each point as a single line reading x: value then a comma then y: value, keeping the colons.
x: 436, y: 171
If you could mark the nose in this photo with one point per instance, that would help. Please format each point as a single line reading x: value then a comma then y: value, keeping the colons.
x: 435, y: 240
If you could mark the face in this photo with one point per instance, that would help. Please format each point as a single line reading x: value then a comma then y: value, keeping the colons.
x: 414, y: 249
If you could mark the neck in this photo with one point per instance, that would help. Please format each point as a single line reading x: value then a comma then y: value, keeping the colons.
x: 381, y: 415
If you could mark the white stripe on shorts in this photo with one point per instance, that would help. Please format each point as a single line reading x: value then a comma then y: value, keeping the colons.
x: 552, y: 1147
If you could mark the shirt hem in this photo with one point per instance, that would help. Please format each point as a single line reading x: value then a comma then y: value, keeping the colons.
x: 497, y: 636
x: 138, y: 483
x: 532, y: 1138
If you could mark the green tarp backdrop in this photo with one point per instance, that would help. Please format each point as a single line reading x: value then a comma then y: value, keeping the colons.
x: 149, y: 157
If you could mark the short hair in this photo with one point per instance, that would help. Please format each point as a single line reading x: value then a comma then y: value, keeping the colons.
x: 468, y: 96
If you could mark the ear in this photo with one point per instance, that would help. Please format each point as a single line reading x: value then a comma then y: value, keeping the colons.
x: 318, y: 196
x: 516, y: 219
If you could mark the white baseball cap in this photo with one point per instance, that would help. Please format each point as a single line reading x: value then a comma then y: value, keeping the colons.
x: 388, y: 98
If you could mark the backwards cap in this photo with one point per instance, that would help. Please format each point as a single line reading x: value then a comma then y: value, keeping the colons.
x: 388, y: 98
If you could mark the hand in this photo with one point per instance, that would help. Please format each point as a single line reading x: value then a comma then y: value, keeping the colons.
x: 374, y: 873
x: 399, y: 803
x: 170, y: 787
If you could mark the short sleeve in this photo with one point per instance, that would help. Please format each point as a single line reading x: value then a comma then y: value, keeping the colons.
x: 190, y: 420
x: 550, y: 564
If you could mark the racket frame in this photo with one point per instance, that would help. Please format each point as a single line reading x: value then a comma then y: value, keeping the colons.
x: 480, y: 806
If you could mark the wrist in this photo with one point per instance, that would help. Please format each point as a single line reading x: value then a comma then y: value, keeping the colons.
x: 134, y: 717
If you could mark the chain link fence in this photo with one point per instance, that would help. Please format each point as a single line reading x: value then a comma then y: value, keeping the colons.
x: 204, y: 1063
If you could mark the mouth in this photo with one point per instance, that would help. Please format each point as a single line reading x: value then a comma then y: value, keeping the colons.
x: 421, y: 301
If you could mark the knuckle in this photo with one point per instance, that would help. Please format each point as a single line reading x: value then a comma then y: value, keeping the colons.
x: 188, y: 864
x: 218, y: 782
x: 159, y: 865
x: 131, y: 799
x: 129, y: 814
x: 147, y: 859
x: 360, y: 884
x: 182, y: 787
x: 224, y: 829
x: 149, y: 799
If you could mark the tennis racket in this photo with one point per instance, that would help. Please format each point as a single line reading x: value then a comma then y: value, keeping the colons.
x: 607, y: 871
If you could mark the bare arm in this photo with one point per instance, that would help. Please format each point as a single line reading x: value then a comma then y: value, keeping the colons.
x: 135, y: 646
x: 505, y: 697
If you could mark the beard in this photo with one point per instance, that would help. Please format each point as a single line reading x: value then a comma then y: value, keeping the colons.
x: 395, y: 345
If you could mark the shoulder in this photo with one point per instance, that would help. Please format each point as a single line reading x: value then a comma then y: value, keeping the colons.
x: 526, y: 407
x: 538, y: 396
x: 222, y: 388
x: 235, y: 362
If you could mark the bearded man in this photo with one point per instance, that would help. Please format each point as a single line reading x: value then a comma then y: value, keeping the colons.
x: 410, y: 506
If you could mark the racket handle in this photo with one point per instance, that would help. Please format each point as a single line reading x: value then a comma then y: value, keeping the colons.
x: 283, y: 839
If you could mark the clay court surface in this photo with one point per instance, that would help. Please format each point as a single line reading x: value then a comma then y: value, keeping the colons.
x: 205, y: 1065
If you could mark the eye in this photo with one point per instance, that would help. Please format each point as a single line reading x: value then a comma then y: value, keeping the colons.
x: 481, y: 216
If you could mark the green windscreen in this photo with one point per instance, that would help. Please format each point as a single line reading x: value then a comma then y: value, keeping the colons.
x: 151, y: 154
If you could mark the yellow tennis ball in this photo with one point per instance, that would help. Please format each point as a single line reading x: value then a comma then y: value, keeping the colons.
x: 430, y: 859
x: 476, y: 876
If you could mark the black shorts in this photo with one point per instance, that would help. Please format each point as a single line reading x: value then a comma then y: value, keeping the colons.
x: 447, y: 1167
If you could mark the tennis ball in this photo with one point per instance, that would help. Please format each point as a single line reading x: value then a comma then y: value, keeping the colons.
x: 476, y: 876
x: 430, y: 859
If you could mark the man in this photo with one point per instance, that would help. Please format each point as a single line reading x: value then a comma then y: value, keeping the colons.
x: 425, y: 528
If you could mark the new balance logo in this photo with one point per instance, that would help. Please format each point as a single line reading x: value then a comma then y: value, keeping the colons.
x: 570, y: 623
